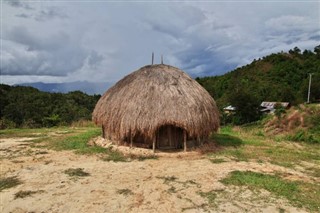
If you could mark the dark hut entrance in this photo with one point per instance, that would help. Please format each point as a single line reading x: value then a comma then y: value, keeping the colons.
x: 170, y: 137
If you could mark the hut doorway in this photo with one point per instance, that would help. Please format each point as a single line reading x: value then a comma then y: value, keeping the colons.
x: 170, y: 137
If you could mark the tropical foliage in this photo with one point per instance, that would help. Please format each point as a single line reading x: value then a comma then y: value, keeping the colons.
x: 28, y: 107
x: 279, y: 77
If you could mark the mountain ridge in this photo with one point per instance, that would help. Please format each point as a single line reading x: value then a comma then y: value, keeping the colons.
x: 89, y: 88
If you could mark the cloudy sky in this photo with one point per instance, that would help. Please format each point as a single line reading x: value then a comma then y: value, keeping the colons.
x: 83, y: 40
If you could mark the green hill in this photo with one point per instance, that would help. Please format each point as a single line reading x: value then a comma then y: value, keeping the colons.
x: 277, y: 77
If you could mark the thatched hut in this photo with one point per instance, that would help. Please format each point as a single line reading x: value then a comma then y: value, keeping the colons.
x: 157, y: 106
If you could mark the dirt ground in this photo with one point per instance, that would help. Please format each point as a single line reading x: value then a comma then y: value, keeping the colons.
x: 166, y: 184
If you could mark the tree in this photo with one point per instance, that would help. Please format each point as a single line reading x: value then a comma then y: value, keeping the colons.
x: 296, y: 50
x: 317, y: 51
x: 247, y: 106
x: 279, y: 110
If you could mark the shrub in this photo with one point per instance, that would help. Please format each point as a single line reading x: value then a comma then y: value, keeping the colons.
x: 303, y: 136
x: 7, y: 124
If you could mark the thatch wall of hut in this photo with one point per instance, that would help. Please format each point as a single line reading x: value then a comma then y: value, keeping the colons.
x: 157, y: 102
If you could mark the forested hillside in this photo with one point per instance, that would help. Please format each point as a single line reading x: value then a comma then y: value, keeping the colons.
x: 276, y: 77
x: 28, y: 107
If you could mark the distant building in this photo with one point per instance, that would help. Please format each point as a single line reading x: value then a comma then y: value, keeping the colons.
x: 229, y: 109
x: 270, y: 107
x: 265, y: 107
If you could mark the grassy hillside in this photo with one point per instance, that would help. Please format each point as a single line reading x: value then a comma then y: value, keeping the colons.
x: 276, y: 77
x: 300, y: 123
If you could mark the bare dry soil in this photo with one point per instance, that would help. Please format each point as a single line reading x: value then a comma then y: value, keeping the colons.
x: 178, y: 183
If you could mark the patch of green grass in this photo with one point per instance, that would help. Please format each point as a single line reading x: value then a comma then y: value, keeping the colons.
x: 299, y: 193
x: 303, y: 136
x: 228, y: 130
x: 79, y: 142
x: 283, y: 163
x: 282, y: 153
x: 41, y: 152
x: 9, y: 182
x: 227, y: 140
x: 236, y: 154
x: 40, y: 139
x: 288, y: 156
x: 259, y: 133
x: 191, y: 182
x: 114, y: 156
x: 260, y: 161
x: 167, y: 179
x: 253, y: 142
x: 78, y: 172
x: 172, y: 190
x: 124, y: 192
x: 210, y: 196
x: 38, y: 132
x: 23, y: 194
x: 143, y: 158
x: 17, y: 161
x: 257, y: 180
x: 315, y: 172
x: 217, y: 160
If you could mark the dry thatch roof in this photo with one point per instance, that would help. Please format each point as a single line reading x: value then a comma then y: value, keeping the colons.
x: 153, y: 96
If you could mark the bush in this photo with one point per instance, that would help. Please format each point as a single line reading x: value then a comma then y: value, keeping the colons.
x: 30, y: 123
x: 314, y: 120
x: 6, y: 124
x: 303, y: 136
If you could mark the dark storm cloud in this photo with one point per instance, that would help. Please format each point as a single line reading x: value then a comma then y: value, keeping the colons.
x: 19, y: 4
x: 23, y: 35
x: 95, y: 59
x: 50, y: 13
x: 201, y: 62
x: 27, y: 54
x: 23, y: 15
x: 44, y: 15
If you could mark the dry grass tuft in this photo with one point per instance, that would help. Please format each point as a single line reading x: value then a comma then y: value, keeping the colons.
x: 23, y: 194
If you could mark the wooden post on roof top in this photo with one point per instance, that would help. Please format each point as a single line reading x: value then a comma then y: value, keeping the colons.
x: 152, y: 58
x: 161, y: 59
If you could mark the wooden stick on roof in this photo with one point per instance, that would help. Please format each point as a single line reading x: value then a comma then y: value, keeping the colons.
x: 152, y: 58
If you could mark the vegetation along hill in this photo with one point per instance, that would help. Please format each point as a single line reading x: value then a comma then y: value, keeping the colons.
x: 22, y: 106
x: 280, y: 77
x: 277, y: 77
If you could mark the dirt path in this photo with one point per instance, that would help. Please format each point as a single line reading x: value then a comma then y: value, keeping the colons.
x: 163, y: 185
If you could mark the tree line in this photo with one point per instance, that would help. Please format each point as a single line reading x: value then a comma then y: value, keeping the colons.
x: 22, y: 106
